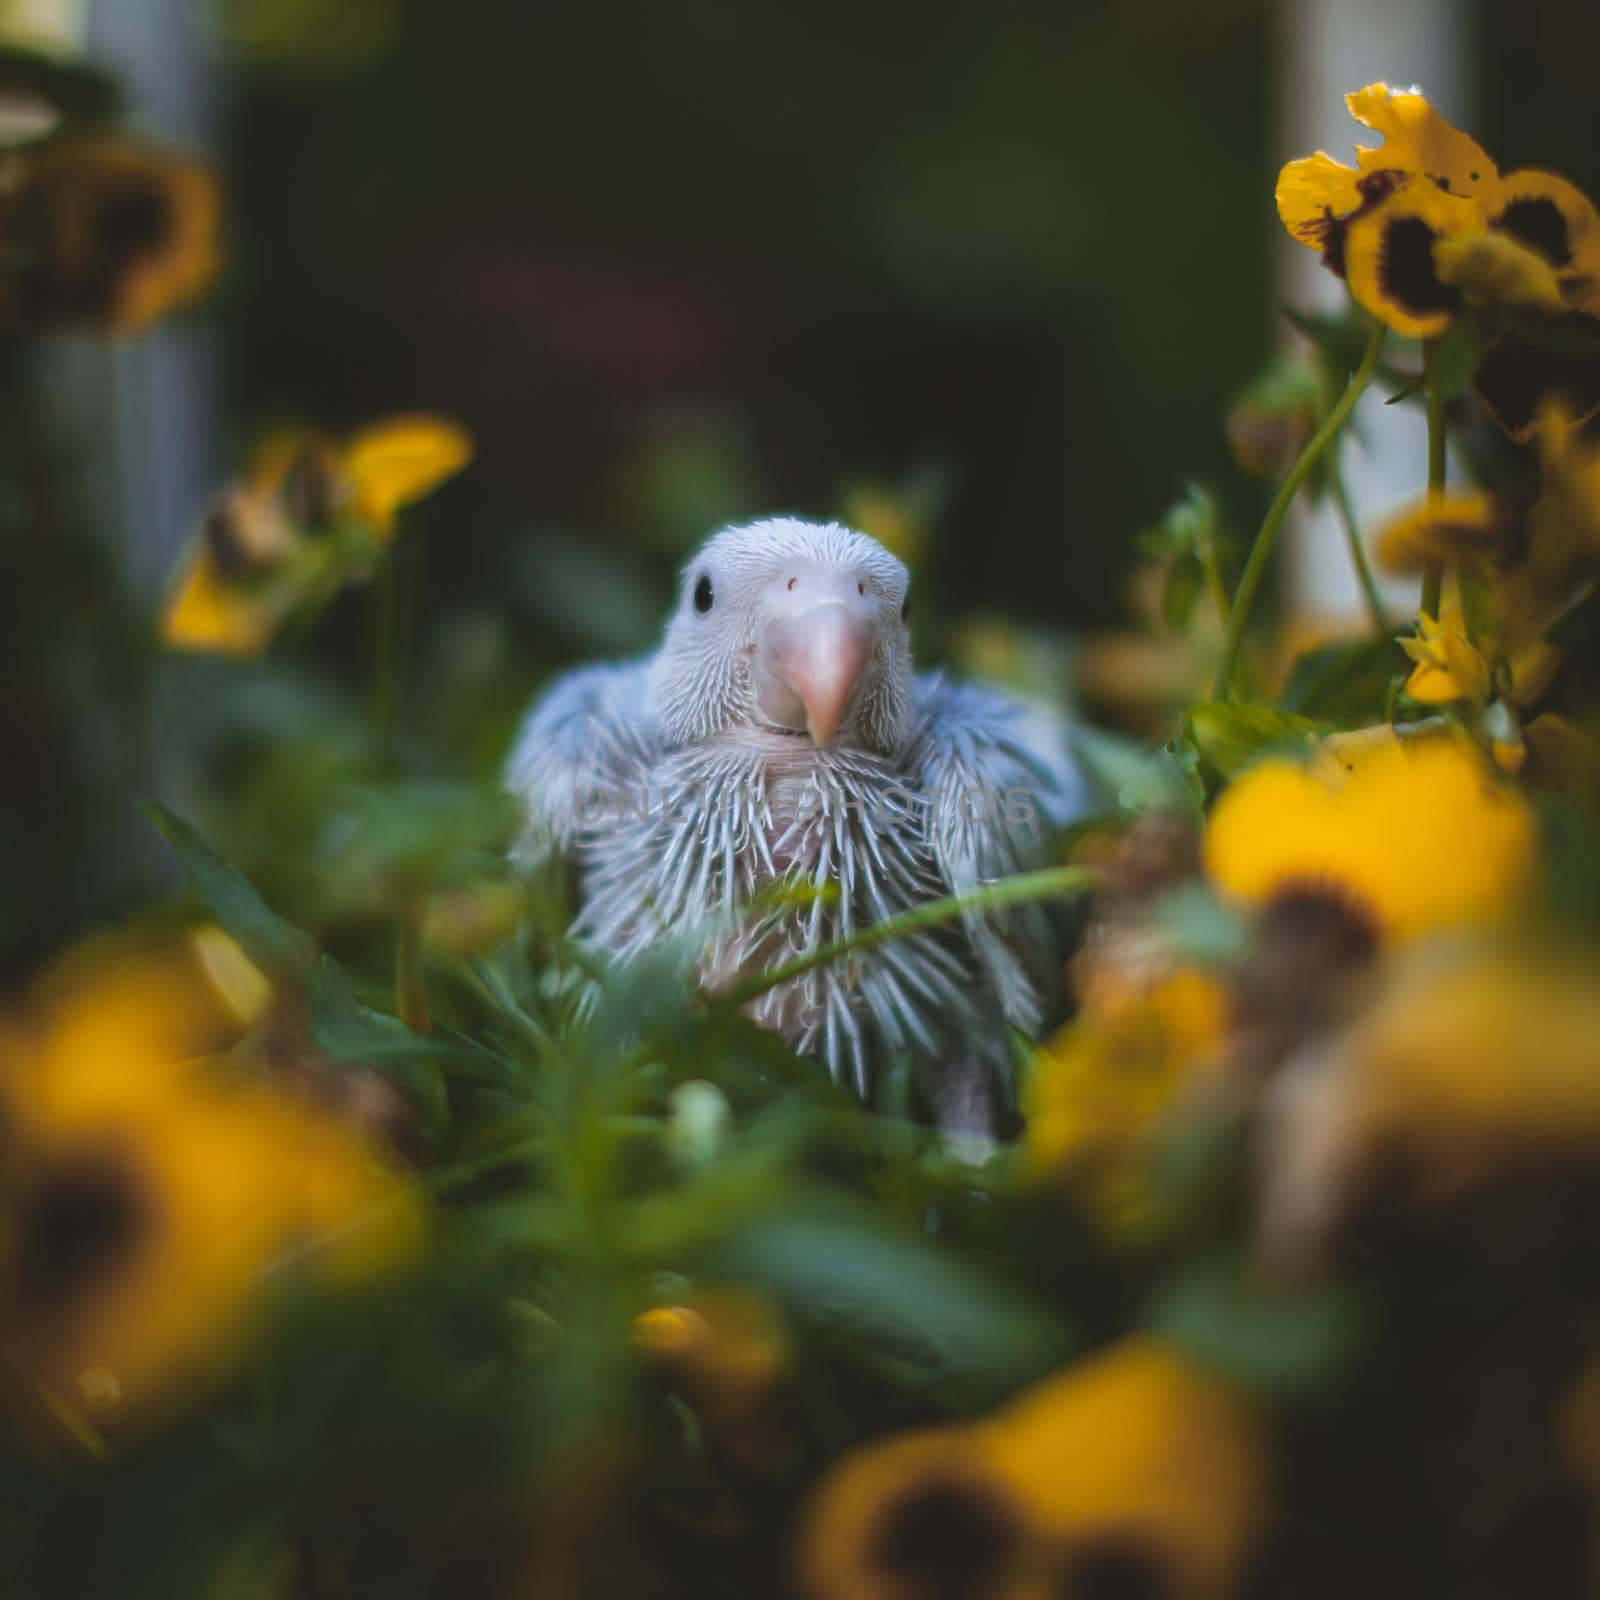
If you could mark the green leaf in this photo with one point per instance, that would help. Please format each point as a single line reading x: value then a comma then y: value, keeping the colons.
x: 969, y: 1336
x: 1133, y: 778
x: 1229, y: 735
x: 346, y: 1030
x: 1456, y: 356
x: 1180, y: 589
x: 1346, y: 684
x: 1276, y: 1339
x: 282, y: 952
x: 1197, y: 927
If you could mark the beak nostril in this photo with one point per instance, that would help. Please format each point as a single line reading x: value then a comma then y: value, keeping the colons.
x: 861, y: 588
x: 791, y: 583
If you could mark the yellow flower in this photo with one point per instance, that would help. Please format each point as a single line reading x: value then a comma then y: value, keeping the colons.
x: 1145, y: 1473
x: 306, y: 516
x: 1388, y: 257
x: 912, y: 1515
x: 1476, y: 1064
x: 1132, y: 1469
x: 1419, y: 835
x: 1456, y: 526
x: 147, y: 1191
x: 113, y: 234
x: 1104, y: 1080
x: 1448, y: 668
x: 1425, y: 223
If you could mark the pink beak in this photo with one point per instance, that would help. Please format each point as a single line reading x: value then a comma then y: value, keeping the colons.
x: 809, y: 662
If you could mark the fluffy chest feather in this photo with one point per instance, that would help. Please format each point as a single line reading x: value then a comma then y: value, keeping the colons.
x: 777, y: 849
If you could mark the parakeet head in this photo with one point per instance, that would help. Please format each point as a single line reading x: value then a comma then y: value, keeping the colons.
x: 787, y: 628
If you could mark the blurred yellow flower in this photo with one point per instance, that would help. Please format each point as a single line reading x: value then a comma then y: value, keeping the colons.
x: 1449, y: 669
x: 1424, y: 222
x: 1476, y: 1063
x: 147, y: 1191
x: 1456, y: 526
x: 916, y: 1514
x: 112, y: 233
x: 306, y: 516
x: 1130, y: 1471
x: 1412, y: 836
x: 1146, y: 1474
x: 1102, y: 1082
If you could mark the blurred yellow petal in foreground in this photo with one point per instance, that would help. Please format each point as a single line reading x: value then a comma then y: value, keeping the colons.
x: 1101, y: 1083
x: 399, y: 460
x: 1476, y: 1064
x: 1130, y: 1471
x: 148, y: 1192
x: 1418, y: 835
x: 1147, y: 1474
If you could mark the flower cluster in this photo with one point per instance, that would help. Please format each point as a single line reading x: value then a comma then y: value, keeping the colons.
x: 1425, y: 229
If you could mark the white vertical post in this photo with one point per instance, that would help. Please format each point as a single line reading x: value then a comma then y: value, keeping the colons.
x: 1326, y: 49
x: 142, y: 416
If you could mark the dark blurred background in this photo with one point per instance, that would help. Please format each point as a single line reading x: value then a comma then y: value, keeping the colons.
x: 672, y: 265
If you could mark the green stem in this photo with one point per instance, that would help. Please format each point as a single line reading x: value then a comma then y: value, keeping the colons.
x: 1266, y: 537
x: 1358, y: 555
x: 1433, y: 575
x: 1050, y: 884
x: 1214, y: 584
x: 386, y: 663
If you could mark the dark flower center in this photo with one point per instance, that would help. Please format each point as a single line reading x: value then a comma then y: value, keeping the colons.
x: 1539, y: 224
x: 1113, y: 1572
x: 133, y: 222
x: 1406, y: 269
x: 946, y: 1541
x: 80, y: 1217
x: 310, y: 492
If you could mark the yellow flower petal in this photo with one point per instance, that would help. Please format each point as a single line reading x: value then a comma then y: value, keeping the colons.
x: 1558, y: 221
x: 1454, y: 526
x: 395, y: 462
x: 206, y: 612
x: 1388, y: 257
x: 1494, y: 269
x: 197, y: 1183
x: 1138, y: 1452
x: 1417, y: 139
x: 1419, y: 836
x: 1312, y: 193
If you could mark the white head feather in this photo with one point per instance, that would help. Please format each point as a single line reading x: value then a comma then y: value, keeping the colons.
x: 787, y: 629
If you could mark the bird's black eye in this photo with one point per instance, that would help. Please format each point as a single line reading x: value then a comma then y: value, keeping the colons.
x: 702, y: 593
x: 905, y: 606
